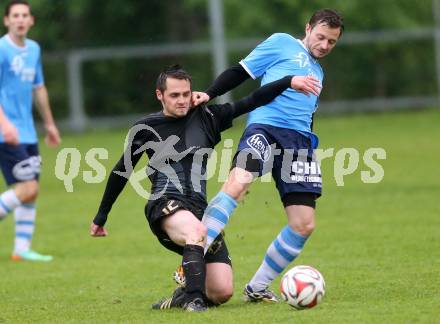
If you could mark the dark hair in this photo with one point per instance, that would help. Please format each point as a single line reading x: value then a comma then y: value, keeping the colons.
x: 173, y: 71
x: 13, y: 3
x: 329, y: 17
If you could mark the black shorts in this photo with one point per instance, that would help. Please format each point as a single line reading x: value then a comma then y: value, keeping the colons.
x: 156, y: 210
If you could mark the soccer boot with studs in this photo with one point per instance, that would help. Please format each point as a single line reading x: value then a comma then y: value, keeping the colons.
x: 175, y: 301
x: 196, y: 305
x: 265, y: 295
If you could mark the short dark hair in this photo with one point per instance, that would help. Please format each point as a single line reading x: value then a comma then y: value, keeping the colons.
x: 173, y: 71
x: 328, y: 16
x: 13, y: 3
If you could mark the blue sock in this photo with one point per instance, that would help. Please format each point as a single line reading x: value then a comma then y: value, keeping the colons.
x: 283, y: 250
x: 217, y: 215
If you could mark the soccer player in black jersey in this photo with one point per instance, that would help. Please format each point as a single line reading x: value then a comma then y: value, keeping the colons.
x: 176, y: 140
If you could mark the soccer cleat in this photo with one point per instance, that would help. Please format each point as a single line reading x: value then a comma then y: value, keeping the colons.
x: 179, y: 276
x: 195, y: 305
x: 257, y: 296
x: 176, y: 300
x: 30, y: 255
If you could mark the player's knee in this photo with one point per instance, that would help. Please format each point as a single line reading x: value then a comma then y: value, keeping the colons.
x: 304, y: 228
x: 27, y: 192
x: 300, y: 208
x: 308, y: 228
x: 196, y: 234
x: 236, y: 187
x: 221, y: 295
x: 32, y: 195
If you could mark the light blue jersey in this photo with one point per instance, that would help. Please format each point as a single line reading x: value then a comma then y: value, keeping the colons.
x: 20, y: 73
x: 276, y: 57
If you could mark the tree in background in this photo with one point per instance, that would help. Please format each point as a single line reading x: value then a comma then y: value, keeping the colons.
x: 119, y: 86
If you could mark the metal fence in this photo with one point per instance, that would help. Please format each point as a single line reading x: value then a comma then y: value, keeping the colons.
x: 219, y: 47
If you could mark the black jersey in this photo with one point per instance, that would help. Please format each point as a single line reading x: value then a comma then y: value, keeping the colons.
x: 178, y: 148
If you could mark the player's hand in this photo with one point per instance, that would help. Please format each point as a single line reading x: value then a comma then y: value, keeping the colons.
x: 306, y: 85
x: 199, y: 98
x: 9, y: 133
x: 52, y: 138
x: 97, y: 231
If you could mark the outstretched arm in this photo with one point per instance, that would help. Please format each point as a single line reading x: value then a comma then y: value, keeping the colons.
x: 268, y: 92
x: 116, y: 182
x: 115, y: 185
x: 226, y: 81
x: 225, y: 113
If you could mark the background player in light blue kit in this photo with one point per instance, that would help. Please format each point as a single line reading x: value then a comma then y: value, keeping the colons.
x: 21, y: 79
x: 284, y: 124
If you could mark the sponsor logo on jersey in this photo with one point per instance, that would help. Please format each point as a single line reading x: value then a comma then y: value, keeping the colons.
x: 17, y: 66
x: 260, y: 145
x: 302, y: 59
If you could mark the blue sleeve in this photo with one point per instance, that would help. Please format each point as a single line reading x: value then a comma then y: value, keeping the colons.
x: 264, y: 55
x: 2, y: 61
x: 2, y: 71
x: 39, y: 78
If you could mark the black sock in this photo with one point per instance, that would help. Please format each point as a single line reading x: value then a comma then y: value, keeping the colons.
x: 194, y: 267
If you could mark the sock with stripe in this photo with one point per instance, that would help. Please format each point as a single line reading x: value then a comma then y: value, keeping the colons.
x: 217, y: 215
x: 24, y: 227
x: 283, y: 250
x: 8, y: 202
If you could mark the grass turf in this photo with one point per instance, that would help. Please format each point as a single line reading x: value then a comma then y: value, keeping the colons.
x: 377, y: 245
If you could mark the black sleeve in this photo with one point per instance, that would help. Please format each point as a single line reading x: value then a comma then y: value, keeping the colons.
x: 227, y: 80
x: 225, y: 113
x: 119, y: 176
x: 261, y: 96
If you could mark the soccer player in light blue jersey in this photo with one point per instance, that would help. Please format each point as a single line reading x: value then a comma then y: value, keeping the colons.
x: 278, y: 139
x: 21, y: 80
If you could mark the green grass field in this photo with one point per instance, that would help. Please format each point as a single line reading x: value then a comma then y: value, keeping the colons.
x: 377, y: 245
